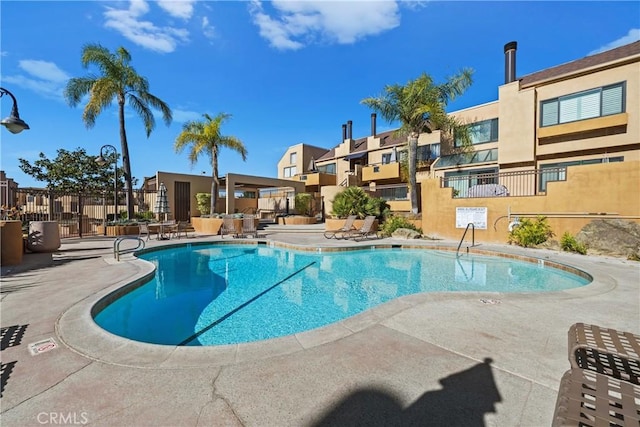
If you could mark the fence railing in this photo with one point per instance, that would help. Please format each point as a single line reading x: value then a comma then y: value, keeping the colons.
x: 78, y: 215
x: 503, y: 184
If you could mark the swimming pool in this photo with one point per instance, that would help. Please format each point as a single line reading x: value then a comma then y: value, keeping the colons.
x: 221, y: 293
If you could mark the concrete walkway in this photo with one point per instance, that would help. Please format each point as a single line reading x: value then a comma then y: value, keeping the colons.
x: 429, y: 359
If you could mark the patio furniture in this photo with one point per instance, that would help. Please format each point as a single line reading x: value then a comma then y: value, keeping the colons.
x: 607, y: 351
x: 249, y: 226
x: 144, y: 229
x: 180, y: 228
x: 339, y: 233
x: 228, y: 226
x: 587, y: 398
x: 365, y: 231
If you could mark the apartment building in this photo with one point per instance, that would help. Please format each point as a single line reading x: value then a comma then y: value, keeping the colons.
x: 582, y: 112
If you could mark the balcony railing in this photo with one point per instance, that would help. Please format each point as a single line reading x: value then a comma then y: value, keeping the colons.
x: 503, y: 184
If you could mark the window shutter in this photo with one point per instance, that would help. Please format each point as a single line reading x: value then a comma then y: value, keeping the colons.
x: 569, y: 110
x: 612, y: 100
x: 589, y: 105
x: 550, y: 113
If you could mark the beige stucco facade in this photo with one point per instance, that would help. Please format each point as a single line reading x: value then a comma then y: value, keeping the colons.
x: 598, y: 191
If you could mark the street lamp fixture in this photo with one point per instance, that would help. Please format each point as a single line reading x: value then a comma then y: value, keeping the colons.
x: 13, y: 123
x: 102, y: 161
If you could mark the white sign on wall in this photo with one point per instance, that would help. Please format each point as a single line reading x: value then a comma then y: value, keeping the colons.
x: 475, y: 216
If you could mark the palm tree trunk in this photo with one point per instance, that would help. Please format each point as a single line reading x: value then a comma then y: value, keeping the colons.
x: 126, y: 165
x: 413, y: 153
x: 215, y: 184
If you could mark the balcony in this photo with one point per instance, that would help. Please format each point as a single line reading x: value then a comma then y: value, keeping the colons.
x: 380, y: 172
x: 317, y: 179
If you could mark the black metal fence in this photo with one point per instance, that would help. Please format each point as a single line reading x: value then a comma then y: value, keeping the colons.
x: 503, y: 184
x: 77, y: 215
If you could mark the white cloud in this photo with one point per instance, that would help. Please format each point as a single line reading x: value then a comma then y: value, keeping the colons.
x: 182, y: 116
x: 178, y: 8
x: 44, y: 70
x: 207, y: 29
x: 298, y: 23
x: 144, y: 33
x: 632, y: 36
x: 43, y: 78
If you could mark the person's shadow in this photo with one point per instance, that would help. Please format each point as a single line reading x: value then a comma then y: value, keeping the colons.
x: 463, y: 400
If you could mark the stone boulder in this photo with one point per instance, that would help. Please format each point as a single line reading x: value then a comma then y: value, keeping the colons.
x: 405, y: 233
x: 615, y: 237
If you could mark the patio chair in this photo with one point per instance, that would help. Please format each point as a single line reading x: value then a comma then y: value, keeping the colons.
x: 249, y: 226
x: 365, y: 231
x: 228, y: 226
x: 346, y: 228
x: 178, y: 229
x: 144, y: 229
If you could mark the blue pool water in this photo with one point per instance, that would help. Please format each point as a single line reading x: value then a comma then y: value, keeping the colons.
x: 222, y: 294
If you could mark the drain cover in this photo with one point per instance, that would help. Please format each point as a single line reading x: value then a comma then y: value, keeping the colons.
x: 42, y: 346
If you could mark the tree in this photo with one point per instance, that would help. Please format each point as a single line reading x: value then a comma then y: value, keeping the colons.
x: 420, y: 106
x: 72, y: 172
x: 205, y: 139
x: 117, y: 80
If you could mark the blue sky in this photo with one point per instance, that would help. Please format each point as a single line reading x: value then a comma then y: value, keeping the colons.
x: 288, y: 72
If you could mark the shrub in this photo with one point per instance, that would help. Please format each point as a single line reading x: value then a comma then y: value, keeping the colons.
x: 570, y: 244
x: 203, y: 201
x: 392, y: 223
x: 355, y: 201
x: 530, y: 233
x: 303, y: 203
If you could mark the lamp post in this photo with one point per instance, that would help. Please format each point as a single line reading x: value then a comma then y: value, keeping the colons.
x: 102, y: 161
x: 13, y: 123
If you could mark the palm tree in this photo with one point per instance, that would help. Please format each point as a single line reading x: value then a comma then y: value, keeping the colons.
x: 420, y: 106
x: 205, y: 138
x: 117, y: 80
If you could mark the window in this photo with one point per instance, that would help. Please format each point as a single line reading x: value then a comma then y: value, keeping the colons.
x: 290, y: 171
x: 481, y: 132
x: 393, y: 193
x: 428, y: 152
x: 558, y: 171
x: 482, y: 156
x: 292, y: 158
x: 599, y: 102
x: 329, y: 169
x: 461, y: 181
x: 386, y: 158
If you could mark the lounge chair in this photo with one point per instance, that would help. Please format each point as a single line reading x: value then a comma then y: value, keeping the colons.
x: 346, y: 228
x: 228, y: 226
x: 249, y: 226
x: 365, y: 231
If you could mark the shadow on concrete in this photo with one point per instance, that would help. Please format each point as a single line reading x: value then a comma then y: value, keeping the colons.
x: 36, y: 261
x: 464, y: 399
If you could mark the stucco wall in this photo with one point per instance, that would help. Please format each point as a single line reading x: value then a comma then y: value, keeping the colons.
x: 611, y: 188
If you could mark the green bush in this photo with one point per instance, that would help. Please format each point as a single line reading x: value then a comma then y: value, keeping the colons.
x: 203, y: 201
x: 570, y: 244
x: 303, y: 203
x: 355, y: 201
x: 392, y: 223
x: 531, y: 233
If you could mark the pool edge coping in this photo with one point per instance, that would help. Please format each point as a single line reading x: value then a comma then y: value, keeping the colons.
x: 77, y: 329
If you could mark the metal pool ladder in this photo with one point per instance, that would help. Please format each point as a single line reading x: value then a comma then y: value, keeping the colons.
x: 473, y: 238
x: 116, y: 245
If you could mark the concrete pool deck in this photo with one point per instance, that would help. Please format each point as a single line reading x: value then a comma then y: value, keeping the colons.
x: 477, y: 358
